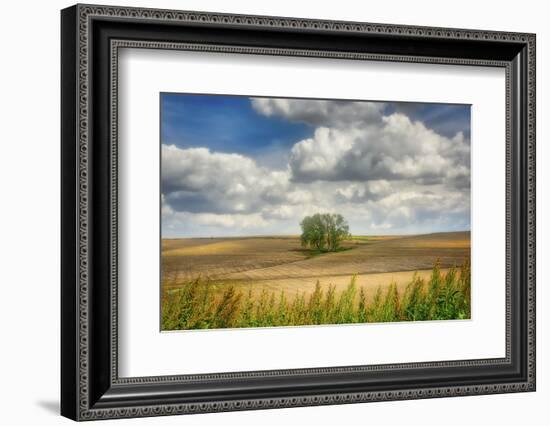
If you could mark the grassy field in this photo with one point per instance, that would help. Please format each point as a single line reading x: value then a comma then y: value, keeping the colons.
x: 269, y: 273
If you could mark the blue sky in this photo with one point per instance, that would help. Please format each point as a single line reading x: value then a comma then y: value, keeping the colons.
x: 226, y: 124
x: 237, y: 165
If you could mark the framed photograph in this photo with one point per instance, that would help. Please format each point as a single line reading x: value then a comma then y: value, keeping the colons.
x: 263, y: 212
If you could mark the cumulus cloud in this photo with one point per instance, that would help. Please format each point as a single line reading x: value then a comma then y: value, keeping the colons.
x: 360, y: 192
x: 411, y: 209
x: 320, y: 112
x: 395, y: 149
x: 198, y: 180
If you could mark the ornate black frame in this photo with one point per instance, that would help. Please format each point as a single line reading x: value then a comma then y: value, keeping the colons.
x: 91, y: 37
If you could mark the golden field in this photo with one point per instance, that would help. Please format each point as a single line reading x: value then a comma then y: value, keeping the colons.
x: 279, y: 263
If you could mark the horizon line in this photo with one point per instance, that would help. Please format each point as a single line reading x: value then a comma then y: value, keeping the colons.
x: 297, y: 235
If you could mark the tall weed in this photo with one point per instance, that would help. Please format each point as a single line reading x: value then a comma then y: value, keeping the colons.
x: 201, y: 304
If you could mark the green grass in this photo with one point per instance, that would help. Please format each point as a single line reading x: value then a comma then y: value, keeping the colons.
x: 355, y: 239
x: 200, y: 305
x: 316, y: 252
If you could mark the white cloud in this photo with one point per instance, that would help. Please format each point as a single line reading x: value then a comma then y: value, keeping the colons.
x: 183, y: 223
x: 241, y: 221
x: 412, y: 207
x: 320, y: 112
x: 394, y: 149
x: 360, y: 192
x: 198, y: 180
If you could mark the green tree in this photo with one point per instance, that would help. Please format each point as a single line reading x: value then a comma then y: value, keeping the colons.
x: 313, y: 232
x: 324, y: 231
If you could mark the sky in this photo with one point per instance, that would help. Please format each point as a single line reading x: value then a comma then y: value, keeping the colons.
x: 240, y: 166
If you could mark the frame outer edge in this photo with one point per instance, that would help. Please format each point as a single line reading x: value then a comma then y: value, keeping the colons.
x: 531, y: 200
x: 83, y: 13
x: 69, y: 190
x: 83, y: 61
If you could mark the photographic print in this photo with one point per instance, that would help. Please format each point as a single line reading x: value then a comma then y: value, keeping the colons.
x: 301, y: 212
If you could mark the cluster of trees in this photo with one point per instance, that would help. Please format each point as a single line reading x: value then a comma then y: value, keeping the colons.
x: 324, y: 232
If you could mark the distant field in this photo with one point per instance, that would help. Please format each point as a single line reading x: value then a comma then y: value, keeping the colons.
x: 280, y: 263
